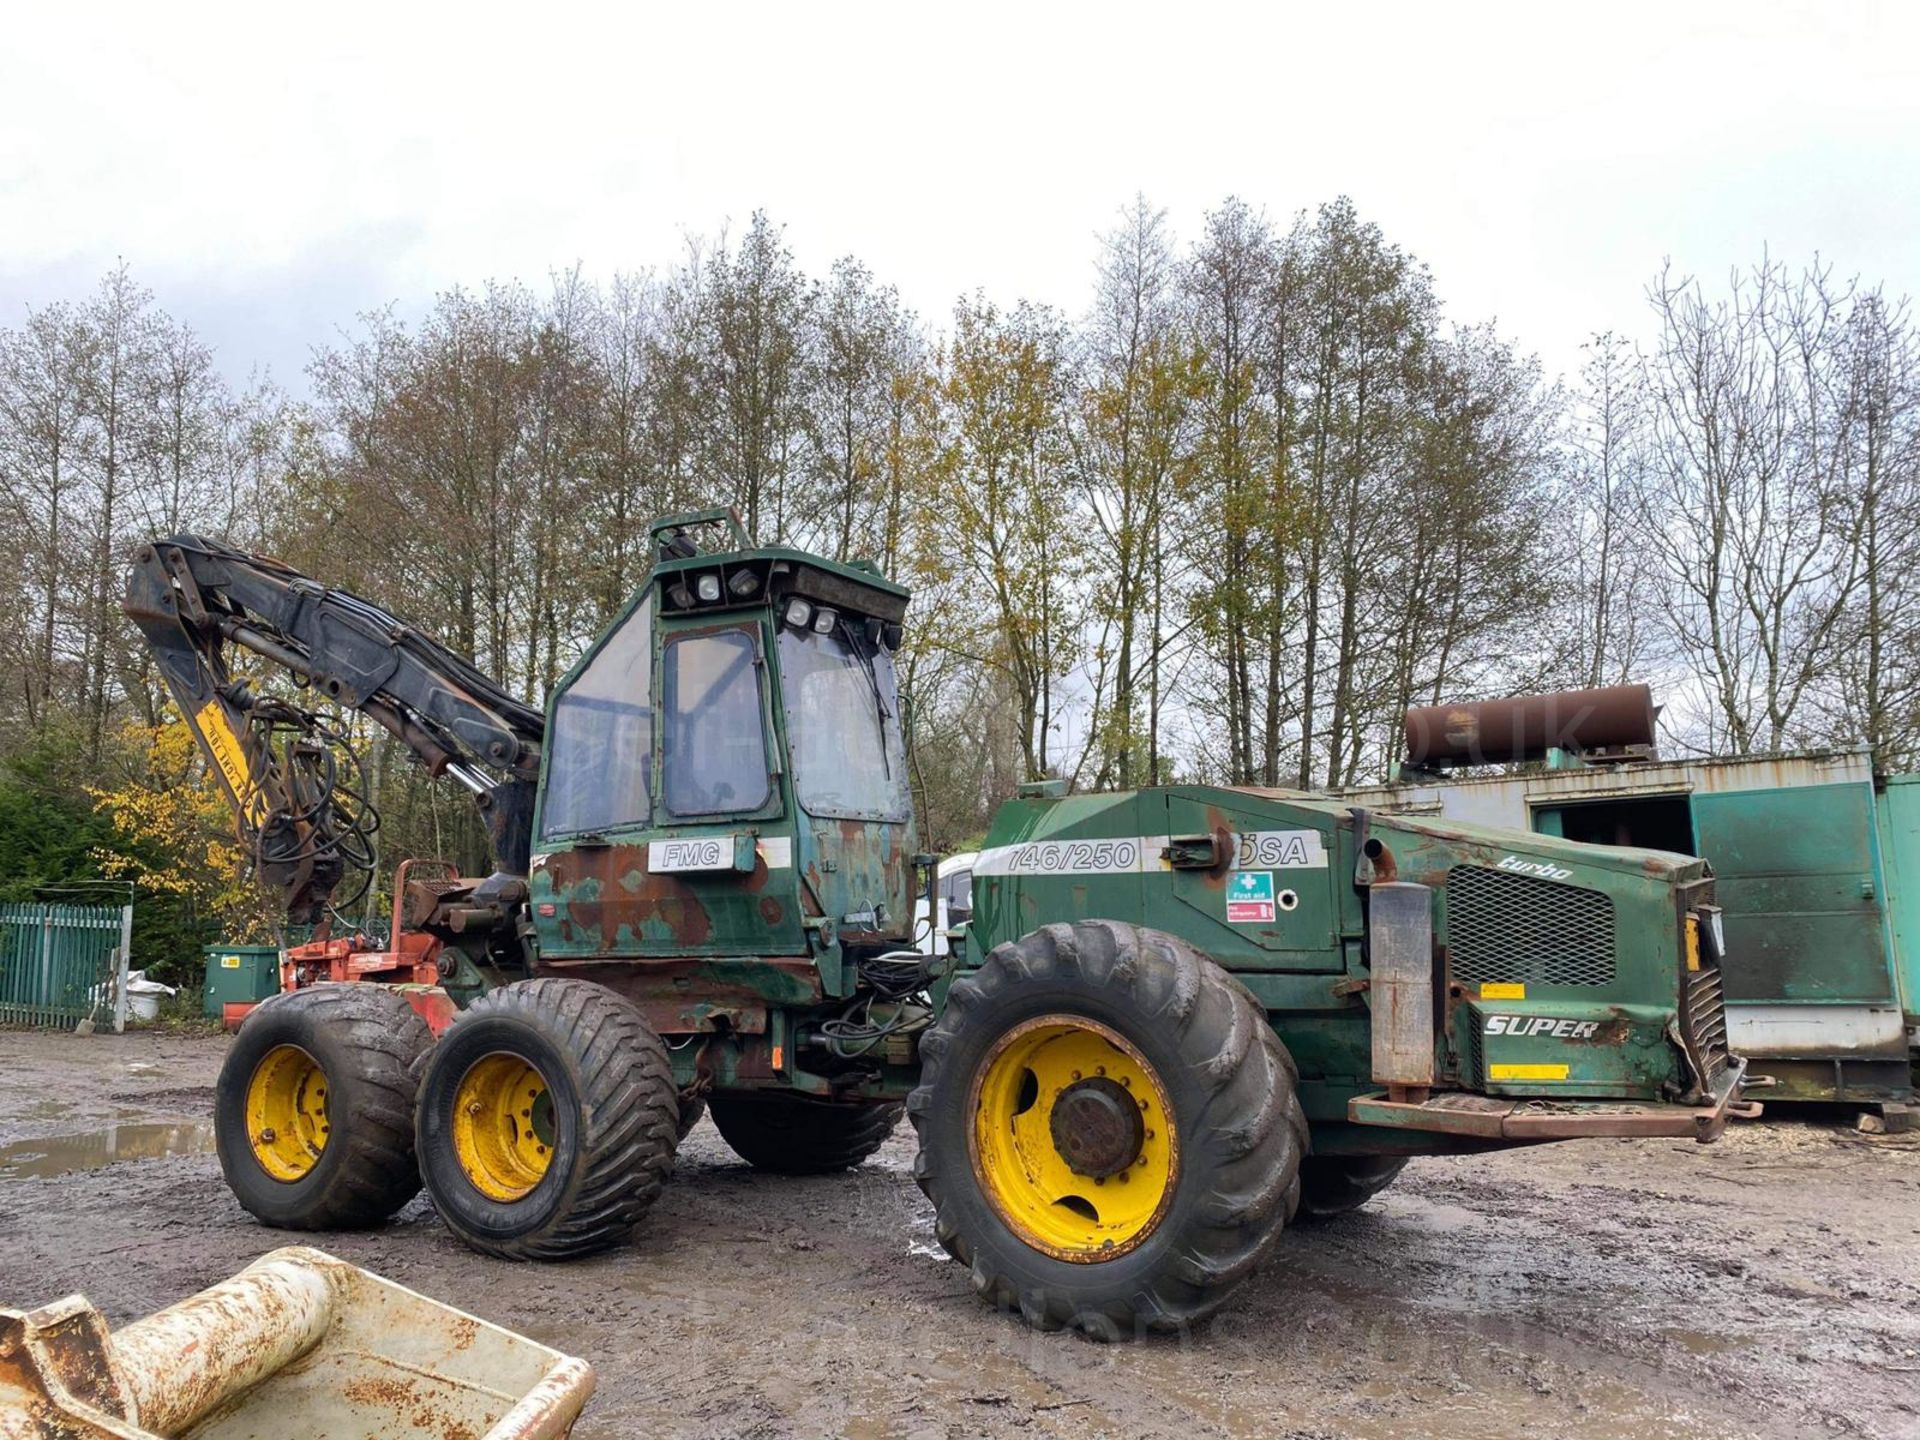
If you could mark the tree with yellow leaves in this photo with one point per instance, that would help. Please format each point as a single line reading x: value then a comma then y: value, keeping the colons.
x: 176, y: 832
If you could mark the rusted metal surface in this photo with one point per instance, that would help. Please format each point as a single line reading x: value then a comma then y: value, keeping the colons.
x: 183, y: 1361
x: 1400, y: 931
x: 603, y: 900
x: 1510, y: 800
x: 1525, y: 727
x: 1490, y: 1117
x: 686, y: 995
x: 297, y: 1345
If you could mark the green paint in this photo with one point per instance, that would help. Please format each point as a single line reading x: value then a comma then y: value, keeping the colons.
x: 1305, y: 965
x: 740, y: 928
x: 1798, y: 872
x: 240, y: 975
x: 1899, y: 805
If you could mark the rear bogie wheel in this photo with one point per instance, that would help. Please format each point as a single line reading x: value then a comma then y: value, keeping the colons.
x: 313, y: 1112
x: 1109, y: 1129
x: 547, y: 1120
x: 791, y: 1134
x: 1333, y: 1185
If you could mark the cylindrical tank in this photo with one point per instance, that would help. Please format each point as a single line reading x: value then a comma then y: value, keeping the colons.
x: 1525, y: 727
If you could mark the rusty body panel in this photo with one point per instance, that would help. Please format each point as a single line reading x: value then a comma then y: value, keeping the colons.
x: 1532, y: 969
x: 1525, y: 727
x: 601, y: 902
x: 1798, y: 842
x: 1488, y: 1117
x: 298, y: 1345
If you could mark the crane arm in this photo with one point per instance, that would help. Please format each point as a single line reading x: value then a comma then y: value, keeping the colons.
x: 284, y: 768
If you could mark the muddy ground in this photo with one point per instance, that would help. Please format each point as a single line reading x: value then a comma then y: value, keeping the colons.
x: 1768, y: 1285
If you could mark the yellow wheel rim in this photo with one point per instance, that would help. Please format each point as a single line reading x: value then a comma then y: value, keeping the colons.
x: 287, y: 1112
x: 503, y: 1126
x: 1072, y: 1138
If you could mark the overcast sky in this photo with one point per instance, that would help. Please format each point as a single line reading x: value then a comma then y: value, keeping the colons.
x: 271, y: 170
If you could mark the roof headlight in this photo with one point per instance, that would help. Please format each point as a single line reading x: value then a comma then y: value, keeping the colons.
x: 823, y: 622
x: 708, y: 587
x: 799, y: 612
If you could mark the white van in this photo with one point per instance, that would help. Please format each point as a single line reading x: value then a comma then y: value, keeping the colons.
x: 954, y: 890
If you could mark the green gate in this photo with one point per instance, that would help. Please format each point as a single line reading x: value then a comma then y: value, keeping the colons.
x: 61, y: 964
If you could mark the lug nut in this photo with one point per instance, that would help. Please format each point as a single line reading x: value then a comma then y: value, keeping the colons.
x: 267, y: 1137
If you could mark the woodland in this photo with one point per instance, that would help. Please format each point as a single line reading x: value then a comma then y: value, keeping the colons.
x: 1225, y: 522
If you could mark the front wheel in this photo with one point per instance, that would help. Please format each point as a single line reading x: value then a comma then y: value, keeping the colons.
x: 1109, y: 1129
x: 313, y: 1112
x: 547, y: 1120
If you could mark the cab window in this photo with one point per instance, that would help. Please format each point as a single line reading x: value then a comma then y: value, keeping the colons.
x: 714, y: 747
x: 600, y: 754
x: 842, y: 725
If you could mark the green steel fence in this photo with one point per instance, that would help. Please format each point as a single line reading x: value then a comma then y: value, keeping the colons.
x: 61, y: 964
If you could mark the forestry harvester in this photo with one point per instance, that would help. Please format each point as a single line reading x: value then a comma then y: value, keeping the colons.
x: 1176, y: 1020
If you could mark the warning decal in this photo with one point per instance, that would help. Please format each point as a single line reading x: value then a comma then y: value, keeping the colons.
x: 1250, y: 897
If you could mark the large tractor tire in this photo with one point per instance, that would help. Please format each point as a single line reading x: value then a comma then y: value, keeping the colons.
x: 1333, y: 1185
x: 547, y: 1120
x: 793, y: 1135
x: 313, y: 1113
x: 1109, y: 1130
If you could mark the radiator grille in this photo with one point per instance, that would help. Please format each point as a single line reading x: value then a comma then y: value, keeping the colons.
x: 1707, y: 1020
x: 1519, y: 929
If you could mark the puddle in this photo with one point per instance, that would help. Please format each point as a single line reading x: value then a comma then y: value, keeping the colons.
x: 64, y: 1154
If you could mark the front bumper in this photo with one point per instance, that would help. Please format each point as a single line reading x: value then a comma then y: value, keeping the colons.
x: 1489, y: 1117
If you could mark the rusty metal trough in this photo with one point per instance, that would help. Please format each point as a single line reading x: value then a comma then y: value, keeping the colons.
x: 298, y: 1345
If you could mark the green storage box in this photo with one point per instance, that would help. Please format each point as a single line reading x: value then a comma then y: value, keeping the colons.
x: 242, y: 973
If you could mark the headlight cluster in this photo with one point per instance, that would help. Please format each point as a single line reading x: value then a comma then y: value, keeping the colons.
x: 705, y: 587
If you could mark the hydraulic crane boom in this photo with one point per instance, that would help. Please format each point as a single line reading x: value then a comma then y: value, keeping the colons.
x: 285, y: 769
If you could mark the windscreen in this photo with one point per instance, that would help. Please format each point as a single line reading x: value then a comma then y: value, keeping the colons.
x: 715, y: 746
x: 600, y: 749
x: 842, y: 723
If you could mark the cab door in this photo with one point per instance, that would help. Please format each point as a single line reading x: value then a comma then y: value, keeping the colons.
x: 661, y: 821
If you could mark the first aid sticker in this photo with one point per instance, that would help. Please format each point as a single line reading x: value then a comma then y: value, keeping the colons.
x: 1250, y: 898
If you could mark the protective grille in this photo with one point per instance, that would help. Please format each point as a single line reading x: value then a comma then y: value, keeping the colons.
x: 1516, y: 928
x: 1706, y: 1019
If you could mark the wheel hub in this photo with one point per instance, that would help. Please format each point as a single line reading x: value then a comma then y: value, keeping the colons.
x: 1097, y: 1127
x: 503, y: 1126
x: 1072, y: 1140
x: 287, y: 1117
